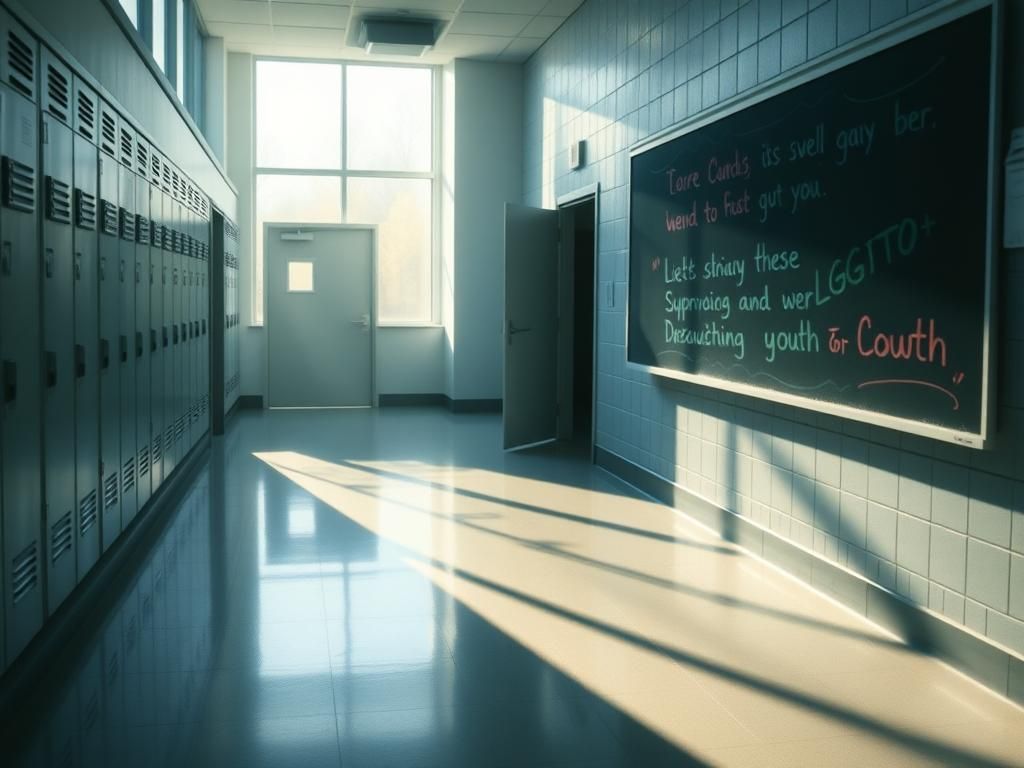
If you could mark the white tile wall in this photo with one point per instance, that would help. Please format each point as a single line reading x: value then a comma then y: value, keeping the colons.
x: 936, y: 522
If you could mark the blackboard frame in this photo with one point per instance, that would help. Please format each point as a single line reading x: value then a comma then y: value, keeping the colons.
x: 912, y: 26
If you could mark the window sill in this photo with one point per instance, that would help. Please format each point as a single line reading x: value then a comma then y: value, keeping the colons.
x: 261, y: 326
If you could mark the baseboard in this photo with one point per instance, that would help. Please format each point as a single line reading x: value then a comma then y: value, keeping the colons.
x: 254, y: 402
x: 390, y: 401
x: 475, y: 406
x: 434, y: 399
x: 93, y: 596
x: 991, y: 665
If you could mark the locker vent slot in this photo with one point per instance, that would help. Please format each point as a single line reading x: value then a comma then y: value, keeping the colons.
x: 109, y: 213
x: 108, y: 133
x: 141, y: 229
x: 155, y: 168
x: 87, y: 513
x: 86, y: 123
x: 92, y: 712
x: 127, y: 147
x: 127, y: 225
x: 128, y: 476
x: 61, y: 537
x: 22, y: 63
x: 169, y: 439
x: 167, y: 178
x: 110, y: 490
x: 58, y: 201
x: 179, y: 428
x: 58, y: 91
x: 25, y: 572
x: 85, y: 209
x: 19, y: 185
x: 141, y: 158
x: 113, y: 668
x: 158, y: 449
x: 144, y: 462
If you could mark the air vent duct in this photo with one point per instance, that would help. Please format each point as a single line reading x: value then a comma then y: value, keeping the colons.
x: 398, y: 37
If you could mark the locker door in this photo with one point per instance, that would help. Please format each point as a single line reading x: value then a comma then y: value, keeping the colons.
x: 110, y: 324
x: 128, y: 343
x: 156, y: 313
x: 205, y: 319
x: 179, y: 341
x: 58, y: 332
x: 20, y: 424
x: 86, y: 300
x: 169, y: 340
x: 144, y: 279
x: 193, y: 321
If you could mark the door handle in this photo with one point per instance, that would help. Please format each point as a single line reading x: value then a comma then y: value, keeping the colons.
x: 363, y: 321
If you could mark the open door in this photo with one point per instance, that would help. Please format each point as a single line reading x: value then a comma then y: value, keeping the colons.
x: 530, y: 409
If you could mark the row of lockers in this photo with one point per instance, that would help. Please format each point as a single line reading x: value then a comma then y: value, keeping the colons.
x: 104, y: 327
x: 232, y: 353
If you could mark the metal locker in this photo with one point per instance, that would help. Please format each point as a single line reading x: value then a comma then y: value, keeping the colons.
x: 180, y: 356
x: 109, y: 324
x: 193, y: 317
x: 156, y: 313
x: 128, y: 343
x: 144, y: 342
x: 204, y: 319
x: 20, y: 379
x: 86, y: 302
x: 169, y: 339
x: 58, y: 330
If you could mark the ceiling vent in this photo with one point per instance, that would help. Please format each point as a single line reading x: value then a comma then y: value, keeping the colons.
x: 398, y: 37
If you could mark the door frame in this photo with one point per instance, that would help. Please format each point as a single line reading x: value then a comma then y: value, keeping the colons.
x: 276, y: 227
x: 563, y: 203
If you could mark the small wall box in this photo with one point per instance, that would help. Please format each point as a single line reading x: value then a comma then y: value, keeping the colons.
x: 577, y: 154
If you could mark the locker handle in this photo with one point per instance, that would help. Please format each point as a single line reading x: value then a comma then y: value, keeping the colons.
x: 124, y: 348
x: 152, y: 340
x: 183, y: 332
x: 175, y: 334
x: 79, y: 361
x: 104, y: 354
x: 51, y: 369
x: 138, y: 343
x: 10, y: 381
x: 204, y: 326
x: 165, y: 336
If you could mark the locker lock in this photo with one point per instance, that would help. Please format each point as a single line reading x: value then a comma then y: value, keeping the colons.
x: 138, y: 343
x: 78, y: 266
x: 152, y: 340
x: 48, y: 262
x: 122, y: 270
x: 79, y: 361
x: 104, y: 354
x: 165, y: 336
x: 124, y: 349
x: 6, y: 258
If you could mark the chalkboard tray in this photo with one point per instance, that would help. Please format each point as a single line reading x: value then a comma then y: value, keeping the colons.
x: 828, y: 242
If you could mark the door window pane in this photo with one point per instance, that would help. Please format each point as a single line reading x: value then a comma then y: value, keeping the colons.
x: 298, y: 115
x: 388, y: 118
x: 401, y: 209
x: 300, y: 276
x: 299, y: 199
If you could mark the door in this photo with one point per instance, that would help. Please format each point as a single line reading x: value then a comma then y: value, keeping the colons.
x: 320, y: 316
x: 530, y: 411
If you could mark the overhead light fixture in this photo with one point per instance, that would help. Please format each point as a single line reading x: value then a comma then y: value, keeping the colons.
x: 398, y: 37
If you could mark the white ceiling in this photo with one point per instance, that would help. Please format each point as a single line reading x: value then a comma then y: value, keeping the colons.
x: 495, y: 30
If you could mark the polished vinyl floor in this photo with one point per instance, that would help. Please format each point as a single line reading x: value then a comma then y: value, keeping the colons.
x: 388, y: 589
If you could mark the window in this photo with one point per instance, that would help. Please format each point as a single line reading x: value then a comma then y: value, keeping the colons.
x: 179, y: 58
x: 131, y: 7
x: 348, y: 143
x: 159, y: 34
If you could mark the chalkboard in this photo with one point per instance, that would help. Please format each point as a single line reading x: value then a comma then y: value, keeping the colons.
x: 829, y: 245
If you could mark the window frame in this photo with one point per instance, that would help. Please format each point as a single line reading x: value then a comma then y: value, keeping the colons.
x: 344, y: 174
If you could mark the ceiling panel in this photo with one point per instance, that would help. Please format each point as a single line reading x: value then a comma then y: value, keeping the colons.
x: 501, y: 24
x: 488, y: 29
x: 310, y: 15
x: 530, y: 7
x: 542, y: 26
x: 238, y: 11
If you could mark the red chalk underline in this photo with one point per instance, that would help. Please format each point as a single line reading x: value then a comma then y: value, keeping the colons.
x: 956, y: 402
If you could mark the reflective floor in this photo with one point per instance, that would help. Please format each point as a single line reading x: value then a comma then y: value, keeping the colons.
x: 387, y: 588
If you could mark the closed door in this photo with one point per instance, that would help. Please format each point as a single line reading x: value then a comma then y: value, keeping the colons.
x: 320, y: 316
